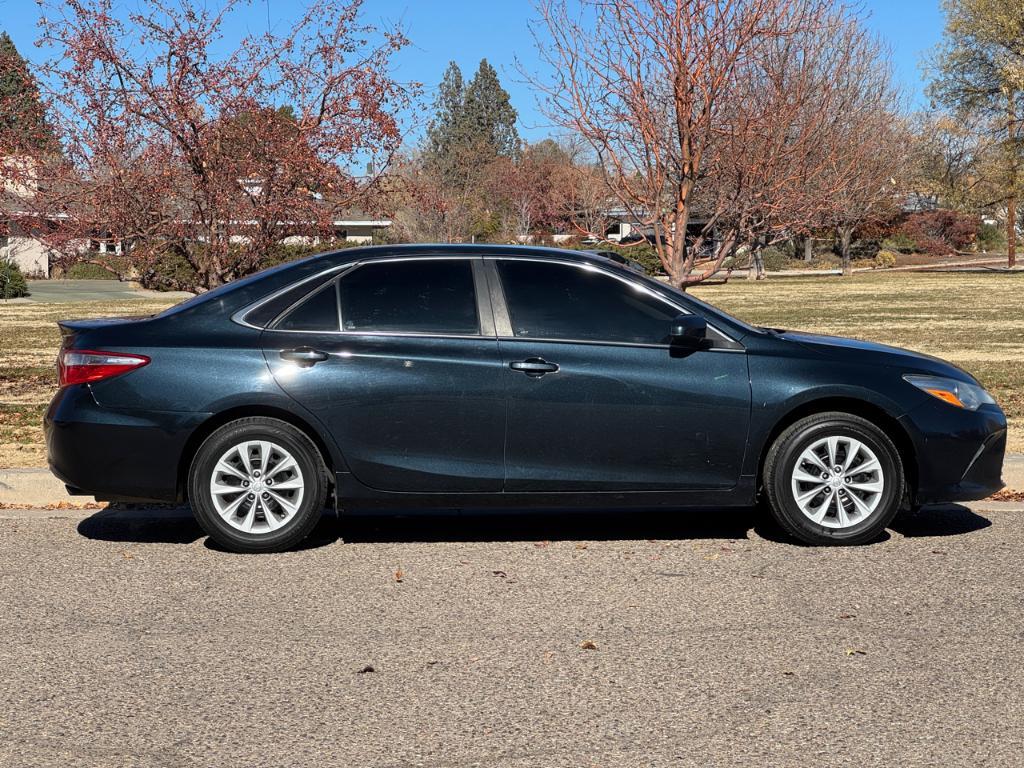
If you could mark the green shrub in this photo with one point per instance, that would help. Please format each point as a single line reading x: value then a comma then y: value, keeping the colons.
x: 864, y: 249
x: 900, y: 242
x: 12, y: 282
x: 991, y: 237
x: 282, y: 252
x: 643, y: 254
x: 89, y: 271
x: 775, y: 259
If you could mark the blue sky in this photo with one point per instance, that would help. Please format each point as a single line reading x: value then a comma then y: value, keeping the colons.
x: 469, y: 30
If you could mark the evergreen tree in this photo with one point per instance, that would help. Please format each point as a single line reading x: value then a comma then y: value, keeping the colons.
x: 443, y: 131
x: 490, y: 117
x: 23, y: 125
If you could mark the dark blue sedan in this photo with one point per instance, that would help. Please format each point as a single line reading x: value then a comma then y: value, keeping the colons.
x: 487, y: 376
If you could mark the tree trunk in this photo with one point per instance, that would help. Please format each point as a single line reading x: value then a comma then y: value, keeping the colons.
x: 756, y: 271
x: 1011, y: 204
x: 845, y: 238
x: 1011, y: 231
x: 808, y: 248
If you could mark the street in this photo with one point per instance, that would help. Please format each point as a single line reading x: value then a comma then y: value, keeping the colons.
x: 632, y: 639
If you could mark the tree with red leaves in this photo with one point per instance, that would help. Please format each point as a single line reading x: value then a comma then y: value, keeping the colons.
x: 182, y: 153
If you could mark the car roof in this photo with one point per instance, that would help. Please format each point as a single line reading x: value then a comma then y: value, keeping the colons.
x: 362, y: 253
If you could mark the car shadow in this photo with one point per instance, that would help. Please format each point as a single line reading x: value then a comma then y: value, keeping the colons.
x: 939, y: 520
x: 540, y: 525
x: 175, y: 525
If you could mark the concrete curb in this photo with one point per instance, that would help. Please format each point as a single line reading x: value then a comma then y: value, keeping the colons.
x: 34, y: 488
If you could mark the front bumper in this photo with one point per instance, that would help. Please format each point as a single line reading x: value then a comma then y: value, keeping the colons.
x: 959, y: 453
x: 116, y: 454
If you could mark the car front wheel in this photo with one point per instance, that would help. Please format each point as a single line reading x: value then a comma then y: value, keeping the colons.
x: 834, y: 478
x: 257, y: 485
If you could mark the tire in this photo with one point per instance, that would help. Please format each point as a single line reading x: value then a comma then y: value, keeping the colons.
x: 281, y: 485
x: 861, y: 500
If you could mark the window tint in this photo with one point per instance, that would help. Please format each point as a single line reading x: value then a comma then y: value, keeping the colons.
x: 557, y: 301
x: 265, y: 313
x: 410, y: 297
x: 317, y: 313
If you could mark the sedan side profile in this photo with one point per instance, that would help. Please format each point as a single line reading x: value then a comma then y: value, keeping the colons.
x: 466, y: 376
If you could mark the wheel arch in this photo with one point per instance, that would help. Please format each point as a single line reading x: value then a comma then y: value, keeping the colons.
x: 212, y: 424
x: 874, y: 413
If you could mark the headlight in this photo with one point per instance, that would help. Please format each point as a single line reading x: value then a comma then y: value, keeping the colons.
x: 958, y: 393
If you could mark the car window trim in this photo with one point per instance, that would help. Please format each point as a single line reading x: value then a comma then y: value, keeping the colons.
x: 240, y: 315
x: 503, y: 319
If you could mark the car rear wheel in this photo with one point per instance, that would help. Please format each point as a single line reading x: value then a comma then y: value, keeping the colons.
x: 257, y: 485
x: 834, y: 478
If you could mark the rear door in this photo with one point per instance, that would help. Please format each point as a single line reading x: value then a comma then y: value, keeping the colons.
x: 399, y: 359
x: 598, y: 399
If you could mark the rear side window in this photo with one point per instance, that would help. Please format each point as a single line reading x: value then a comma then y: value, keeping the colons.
x: 317, y: 313
x: 415, y: 296
x: 558, y: 301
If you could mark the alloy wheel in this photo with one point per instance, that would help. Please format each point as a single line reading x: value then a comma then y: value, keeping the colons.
x: 257, y: 486
x: 837, y: 482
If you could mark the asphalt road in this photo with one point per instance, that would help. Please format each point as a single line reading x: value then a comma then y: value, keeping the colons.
x: 125, y: 640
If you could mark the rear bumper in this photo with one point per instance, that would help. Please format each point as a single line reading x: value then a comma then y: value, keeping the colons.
x: 959, y: 453
x: 116, y: 454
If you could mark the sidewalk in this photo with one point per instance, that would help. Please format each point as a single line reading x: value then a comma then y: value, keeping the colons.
x: 35, y: 488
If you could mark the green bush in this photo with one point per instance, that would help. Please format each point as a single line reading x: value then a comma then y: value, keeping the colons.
x: 900, y: 242
x: 643, y: 254
x: 282, y: 253
x: 12, y: 282
x: 991, y: 237
x: 775, y: 259
x: 864, y: 249
x: 89, y: 271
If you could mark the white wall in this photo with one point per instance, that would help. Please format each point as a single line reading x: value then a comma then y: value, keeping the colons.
x: 31, y: 256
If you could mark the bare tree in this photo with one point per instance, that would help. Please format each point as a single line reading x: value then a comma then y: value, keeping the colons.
x: 186, y: 152
x: 706, y: 115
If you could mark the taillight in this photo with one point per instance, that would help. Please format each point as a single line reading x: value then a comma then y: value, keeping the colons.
x: 82, y: 366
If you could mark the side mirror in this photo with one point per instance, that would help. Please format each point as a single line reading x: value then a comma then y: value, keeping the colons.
x: 688, y: 330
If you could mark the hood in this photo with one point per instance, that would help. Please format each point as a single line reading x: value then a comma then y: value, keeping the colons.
x: 841, y: 348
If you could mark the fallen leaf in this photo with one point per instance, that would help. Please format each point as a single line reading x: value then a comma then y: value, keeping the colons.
x: 364, y: 670
x: 399, y: 575
x: 847, y: 615
x: 581, y: 546
x: 855, y: 652
x: 500, y: 574
x: 588, y: 645
x: 541, y: 544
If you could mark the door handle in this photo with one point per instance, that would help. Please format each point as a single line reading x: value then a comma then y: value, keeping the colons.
x: 304, y: 356
x: 534, y: 366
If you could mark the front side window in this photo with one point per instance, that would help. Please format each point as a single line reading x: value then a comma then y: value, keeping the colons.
x: 415, y: 296
x: 559, y: 301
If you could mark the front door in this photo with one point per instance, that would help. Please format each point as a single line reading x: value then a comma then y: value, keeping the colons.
x: 394, y: 360
x: 599, y: 401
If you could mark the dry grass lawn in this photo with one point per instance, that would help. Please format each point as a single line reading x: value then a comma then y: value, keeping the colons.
x: 973, y: 320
